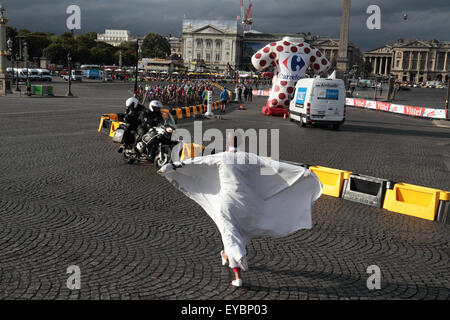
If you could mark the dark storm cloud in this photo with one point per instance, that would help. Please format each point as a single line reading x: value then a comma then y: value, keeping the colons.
x: 426, y: 19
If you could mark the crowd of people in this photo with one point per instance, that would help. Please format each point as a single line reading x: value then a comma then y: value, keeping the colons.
x: 244, y: 92
x: 176, y: 94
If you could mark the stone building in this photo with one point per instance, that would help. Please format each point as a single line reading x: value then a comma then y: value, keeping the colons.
x: 330, y: 48
x: 220, y: 44
x: 176, y: 45
x: 381, y: 60
x: 253, y: 41
x: 213, y: 43
x: 114, y: 37
x: 412, y: 60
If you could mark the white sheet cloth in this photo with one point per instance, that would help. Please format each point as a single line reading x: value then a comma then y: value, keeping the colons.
x: 248, y: 196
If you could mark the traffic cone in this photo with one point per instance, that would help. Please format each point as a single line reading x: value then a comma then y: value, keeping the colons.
x: 284, y: 116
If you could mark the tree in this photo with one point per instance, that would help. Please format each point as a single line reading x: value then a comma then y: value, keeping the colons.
x: 57, y: 53
x: 103, y: 53
x: 128, y: 53
x: 155, y: 46
x: 91, y: 35
x: 37, y: 42
x: 366, y: 67
x: 11, y: 33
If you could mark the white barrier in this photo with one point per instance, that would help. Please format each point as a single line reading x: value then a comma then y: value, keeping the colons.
x: 384, y: 106
x: 264, y: 93
x: 396, y: 108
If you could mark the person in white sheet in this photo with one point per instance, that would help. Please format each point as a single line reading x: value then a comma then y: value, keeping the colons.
x: 247, y: 196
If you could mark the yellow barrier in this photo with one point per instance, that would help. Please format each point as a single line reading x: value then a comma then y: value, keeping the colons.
x: 420, y: 202
x: 112, y: 116
x: 100, y: 126
x: 179, y: 113
x: 188, y: 111
x: 331, y: 179
x: 114, y: 126
x: 191, y: 150
x: 107, y: 128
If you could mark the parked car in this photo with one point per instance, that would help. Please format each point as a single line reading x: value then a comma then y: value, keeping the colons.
x: 432, y: 84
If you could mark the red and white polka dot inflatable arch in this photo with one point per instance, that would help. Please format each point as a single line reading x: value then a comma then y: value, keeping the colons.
x: 291, y: 57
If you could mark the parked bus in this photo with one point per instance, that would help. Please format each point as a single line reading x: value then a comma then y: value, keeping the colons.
x: 92, y: 71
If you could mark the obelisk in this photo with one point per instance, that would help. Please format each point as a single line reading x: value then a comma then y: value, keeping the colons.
x: 342, y: 60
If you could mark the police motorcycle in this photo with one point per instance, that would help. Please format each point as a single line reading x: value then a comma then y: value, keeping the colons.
x: 154, y: 146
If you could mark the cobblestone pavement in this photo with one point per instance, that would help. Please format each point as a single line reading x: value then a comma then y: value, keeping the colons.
x: 66, y: 199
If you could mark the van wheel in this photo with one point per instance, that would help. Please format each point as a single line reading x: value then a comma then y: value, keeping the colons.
x: 335, y: 127
x: 302, y: 121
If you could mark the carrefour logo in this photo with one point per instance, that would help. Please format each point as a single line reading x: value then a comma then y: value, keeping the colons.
x: 292, y: 66
x: 296, y: 62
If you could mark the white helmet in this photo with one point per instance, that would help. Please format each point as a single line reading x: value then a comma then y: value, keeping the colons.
x: 154, y: 104
x: 131, y: 101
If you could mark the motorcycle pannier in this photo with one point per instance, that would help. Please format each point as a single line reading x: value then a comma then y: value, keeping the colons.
x: 118, y: 135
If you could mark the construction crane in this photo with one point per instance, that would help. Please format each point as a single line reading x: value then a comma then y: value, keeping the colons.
x: 246, y: 19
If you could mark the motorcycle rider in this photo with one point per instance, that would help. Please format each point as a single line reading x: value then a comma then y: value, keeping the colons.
x: 134, y: 108
x: 149, y: 118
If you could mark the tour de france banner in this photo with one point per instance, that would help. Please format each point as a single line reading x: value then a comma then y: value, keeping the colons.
x: 396, y: 108
x: 291, y: 58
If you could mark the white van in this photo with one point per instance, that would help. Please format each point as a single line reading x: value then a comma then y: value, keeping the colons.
x: 77, y: 75
x: 45, y: 74
x: 318, y: 101
x: 34, y: 75
x: 22, y: 74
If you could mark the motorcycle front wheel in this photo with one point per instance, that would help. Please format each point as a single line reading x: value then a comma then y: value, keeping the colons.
x: 161, y: 162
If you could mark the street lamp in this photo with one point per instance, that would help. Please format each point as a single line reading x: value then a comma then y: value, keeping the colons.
x: 69, y: 60
x: 9, y: 44
x: 25, y: 55
x: 138, y: 52
x: 18, y: 57
x: 447, y: 100
x: 5, y: 82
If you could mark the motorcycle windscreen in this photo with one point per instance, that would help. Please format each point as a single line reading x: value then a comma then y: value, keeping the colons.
x: 170, y: 121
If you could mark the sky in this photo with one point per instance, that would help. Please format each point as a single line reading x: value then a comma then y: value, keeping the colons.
x: 426, y: 19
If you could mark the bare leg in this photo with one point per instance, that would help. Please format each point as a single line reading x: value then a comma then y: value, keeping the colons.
x: 224, y: 255
x: 238, y: 280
